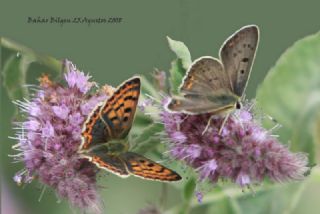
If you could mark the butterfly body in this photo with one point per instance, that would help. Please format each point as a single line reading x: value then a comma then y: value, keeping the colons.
x: 105, y: 134
x: 112, y: 148
x: 196, y: 103
x: 214, y: 85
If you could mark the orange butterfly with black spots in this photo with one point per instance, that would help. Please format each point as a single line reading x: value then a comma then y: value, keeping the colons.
x: 104, y: 137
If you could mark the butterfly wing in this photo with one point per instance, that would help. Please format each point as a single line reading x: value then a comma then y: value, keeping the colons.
x: 205, y: 76
x: 102, y: 160
x: 199, y: 104
x: 94, y: 130
x: 118, y: 111
x: 237, y: 55
x: 148, y: 169
x: 113, y: 118
x: 205, y: 88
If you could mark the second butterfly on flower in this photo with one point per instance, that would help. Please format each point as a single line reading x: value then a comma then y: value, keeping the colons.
x: 211, y: 127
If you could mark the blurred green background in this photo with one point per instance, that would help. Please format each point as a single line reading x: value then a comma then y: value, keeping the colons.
x: 112, y: 53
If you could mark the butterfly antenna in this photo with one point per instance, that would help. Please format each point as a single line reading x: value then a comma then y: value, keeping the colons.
x: 223, y: 123
x: 208, y: 125
x: 239, y: 120
x: 178, y: 123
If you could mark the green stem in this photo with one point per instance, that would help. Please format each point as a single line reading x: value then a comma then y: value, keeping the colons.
x: 49, y: 61
x: 188, y: 192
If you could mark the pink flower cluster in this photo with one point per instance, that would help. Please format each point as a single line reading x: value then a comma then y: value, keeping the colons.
x: 51, y: 134
x: 244, y: 152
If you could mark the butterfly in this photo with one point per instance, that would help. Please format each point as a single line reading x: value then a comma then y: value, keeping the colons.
x: 104, y: 137
x: 216, y: 86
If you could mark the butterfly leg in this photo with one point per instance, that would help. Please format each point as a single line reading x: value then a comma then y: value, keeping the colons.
x: 178, y: 123
x: 208, y: 124
x: 223, y: 123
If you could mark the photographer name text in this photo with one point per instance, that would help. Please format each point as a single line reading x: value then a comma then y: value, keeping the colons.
x: 74, y: 20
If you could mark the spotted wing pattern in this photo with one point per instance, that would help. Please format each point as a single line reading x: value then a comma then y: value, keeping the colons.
x: 205, y: 76
x: 130, y: 163
x: 112, y: 119
x: 205, y: 88
x: 148, y: 169
x: 214, y: 86
x: 237, y: 55
x: 118, y: 112
x: 109, y: 163
x: 94, y: 130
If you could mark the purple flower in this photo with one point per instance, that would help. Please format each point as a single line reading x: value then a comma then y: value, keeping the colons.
x: 207, y: 168
x: 243, y: 179
x: 47, y: 130
x: 51, y: 134
x: 61, y: 111
x: 244, y: 152
x: 178, y: 137
x: 145, y: 103
x: 77, y: 79
x: 199, y: 196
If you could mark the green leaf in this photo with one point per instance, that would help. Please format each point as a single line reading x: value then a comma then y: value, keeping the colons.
x: 316, y: 136
x: 177, y: 73
x: 17, y: 65
x: 149, y: 132
x: 225, y: 205
x: 14, y: 77
x: 142, y: 120
x: 291, y: 93
x: 188, y: 194
x: 188, y: 191
x: 46, y: 60
x: 147, y: 138
x: 182, y: 52
x: 148, y: 88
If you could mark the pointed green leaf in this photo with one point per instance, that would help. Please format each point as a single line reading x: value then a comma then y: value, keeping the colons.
x: 182, y: 52
x: 147, y: 138
x: 148, y: 88
x: 189, y: 188
x: 176, y: 75
x: 188, y: 194
x: 316, y: 136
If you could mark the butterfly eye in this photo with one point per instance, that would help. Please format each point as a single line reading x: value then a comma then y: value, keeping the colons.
x: 238, y: 105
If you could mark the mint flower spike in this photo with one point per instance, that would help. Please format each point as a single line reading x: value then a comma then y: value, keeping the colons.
x: 244, y: 153
x: 49, y: 138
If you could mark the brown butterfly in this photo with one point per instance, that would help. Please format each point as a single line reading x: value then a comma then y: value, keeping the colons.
x: 104, y: 137
x: 217, y: 85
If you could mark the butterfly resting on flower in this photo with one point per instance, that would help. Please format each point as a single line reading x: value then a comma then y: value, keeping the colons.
x: 217, y: 86
x: 105, y: 133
